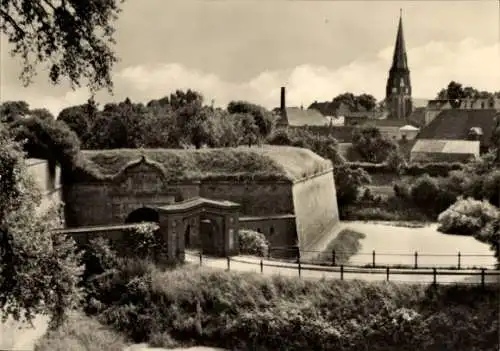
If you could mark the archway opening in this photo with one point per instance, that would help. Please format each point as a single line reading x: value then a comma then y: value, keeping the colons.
x: 143, y: 214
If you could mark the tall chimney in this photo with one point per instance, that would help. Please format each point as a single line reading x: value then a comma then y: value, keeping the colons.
x: 283, y: 99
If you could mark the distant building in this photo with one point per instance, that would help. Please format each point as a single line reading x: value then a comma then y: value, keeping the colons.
x: 398, y: 89
x: 458, y: 124
x: 298, y: 116
x: 427, y: 150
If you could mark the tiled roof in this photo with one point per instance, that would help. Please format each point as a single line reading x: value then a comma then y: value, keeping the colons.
x: 446, y: 146
x: 455, y: 124
x: 302, y: 117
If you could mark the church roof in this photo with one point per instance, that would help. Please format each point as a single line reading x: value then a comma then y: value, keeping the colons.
x: 399, y: 59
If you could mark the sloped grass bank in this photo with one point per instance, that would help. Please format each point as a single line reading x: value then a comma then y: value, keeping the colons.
x: 253, y: 312
x: 80, y: 332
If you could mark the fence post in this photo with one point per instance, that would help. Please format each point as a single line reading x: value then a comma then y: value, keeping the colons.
x: 387, y: 271
x: 261, y: 266
x: 228, y: 263
x: 201, y: 258
x: 333, y: 258
x: 434, y: 273
x: 482, y: 278
x: 416, y: 259
x: 373, y: 259
x: 341, y: 272
x: 459, y: 255
x: 300, y: 266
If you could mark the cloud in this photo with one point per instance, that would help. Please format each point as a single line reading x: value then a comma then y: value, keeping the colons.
x: 432, y: 66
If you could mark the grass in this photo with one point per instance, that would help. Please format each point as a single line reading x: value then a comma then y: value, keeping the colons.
x: 259, y: 162
x: 250, y: 311
x: 81, y: 333
x: 345, y: 245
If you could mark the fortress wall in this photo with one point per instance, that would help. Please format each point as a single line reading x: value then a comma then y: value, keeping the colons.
x: 316, y: 211
x: 86, y: 205
x: 280, y: 231
x: 256, y: 198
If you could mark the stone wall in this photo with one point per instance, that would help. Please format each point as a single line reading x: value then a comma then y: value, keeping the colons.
x: 316, y: 212
x: 280, y: 231
x: 256, y: 198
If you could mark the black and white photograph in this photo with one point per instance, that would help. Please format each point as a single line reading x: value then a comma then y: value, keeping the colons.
x: 262, y: 175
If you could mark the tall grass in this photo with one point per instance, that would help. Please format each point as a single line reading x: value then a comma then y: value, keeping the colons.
x: 81, y: 333
x: 250, y: 311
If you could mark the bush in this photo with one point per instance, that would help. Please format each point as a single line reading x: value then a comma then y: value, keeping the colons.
x: 438, y: 169
x: 251, y: 311
x: 81, y: 333
x: 253, y: 243
x: 467, y: 216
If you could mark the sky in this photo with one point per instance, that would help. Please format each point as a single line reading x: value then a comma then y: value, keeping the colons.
x: 247, y: 49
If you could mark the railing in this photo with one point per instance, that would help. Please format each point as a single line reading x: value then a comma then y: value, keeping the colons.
x: 376, y: 259
x: 479, y: 276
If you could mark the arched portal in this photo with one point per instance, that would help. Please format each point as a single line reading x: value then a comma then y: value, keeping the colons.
x: 143, y: 214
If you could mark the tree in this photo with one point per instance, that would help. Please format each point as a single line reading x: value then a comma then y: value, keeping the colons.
x: 372, y: 145
x: 39, y: 271
x: 249, y: 129
x: 348, y: 182
x: 76, y: 118
x: 13, y: 110
x: 72, y: 38
x: 42, y: 113
x: 262, y: 117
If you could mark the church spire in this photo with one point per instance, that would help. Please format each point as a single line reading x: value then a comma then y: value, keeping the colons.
x: 398, y: 88
x: 399, y: 59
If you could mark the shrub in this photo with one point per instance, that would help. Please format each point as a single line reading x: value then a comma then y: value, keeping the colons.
x: 437, y: 169
x: 467, y: 216
x: 253, y: 243
x: 81, y: 333
x: 251, y: 311
x: 142, y: 242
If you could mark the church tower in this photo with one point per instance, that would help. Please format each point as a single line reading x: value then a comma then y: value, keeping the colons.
x: 398, y: 90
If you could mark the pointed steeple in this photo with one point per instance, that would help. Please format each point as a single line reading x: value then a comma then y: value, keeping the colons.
x: 398, y: 88
x: 399, y: 59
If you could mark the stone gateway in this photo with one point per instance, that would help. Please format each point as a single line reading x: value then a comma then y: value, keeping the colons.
x: 205, y: 195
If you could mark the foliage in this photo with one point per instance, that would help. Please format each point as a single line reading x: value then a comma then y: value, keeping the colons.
x: 11, y: 111
x: 490, y: 234
x: 252, y: 243
x: 72, y: 38
x: 455, y: 92
x: 48, y: 139
x: 354, y: 103
x: 40, y: 270
x: 142, y: 242
x: 262, y: 118
x: 81, y: 333
x: 324, y: 146
x: 266, y: 162
x: 251, y: 311
x: 348, y: 183
x: 372, y: 145
x: 467, y: 216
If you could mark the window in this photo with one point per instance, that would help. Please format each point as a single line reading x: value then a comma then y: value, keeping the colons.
x: 271, y: 231
x: 482, y: 104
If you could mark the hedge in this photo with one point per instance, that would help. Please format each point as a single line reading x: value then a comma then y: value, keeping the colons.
x: 434, y: 169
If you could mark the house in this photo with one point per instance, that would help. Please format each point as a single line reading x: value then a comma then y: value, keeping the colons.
x: 459, y: 124
x: 298, y: 116
x: 429, y: 150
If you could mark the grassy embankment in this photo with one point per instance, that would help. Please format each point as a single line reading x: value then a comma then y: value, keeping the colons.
x: 253, y: 312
